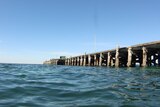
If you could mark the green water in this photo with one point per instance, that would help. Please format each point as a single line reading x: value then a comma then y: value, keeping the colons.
x: 67, y: 86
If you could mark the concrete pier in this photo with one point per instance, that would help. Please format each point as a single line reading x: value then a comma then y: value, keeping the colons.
x: 143, y: 55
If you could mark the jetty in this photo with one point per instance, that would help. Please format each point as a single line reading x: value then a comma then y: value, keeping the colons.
x: 143, y: 55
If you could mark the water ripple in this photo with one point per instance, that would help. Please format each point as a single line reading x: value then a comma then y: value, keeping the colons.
x: 67, y: 86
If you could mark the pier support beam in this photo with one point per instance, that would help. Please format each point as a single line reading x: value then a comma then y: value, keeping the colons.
x: 67, y: 61
x: 112, y: 62
x: 95, y: 60
x: 129, y: 63
x: 81, y: 61
x: 117, y: 58
x: 84, y: 60
x: 100, y: 59
x: 72, y: 61
x: 89, y: 60
x: 109, y: 59
x: 77, y: 61
x: 144, y: 60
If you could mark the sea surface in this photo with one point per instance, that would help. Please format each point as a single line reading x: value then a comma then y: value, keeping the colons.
x: 23, y: 85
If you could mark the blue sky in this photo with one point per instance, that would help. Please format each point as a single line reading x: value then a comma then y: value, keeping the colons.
x: 32, y: 31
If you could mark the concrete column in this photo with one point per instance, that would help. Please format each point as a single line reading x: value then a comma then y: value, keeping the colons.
x: 100, y: 59
x: 84, y: 60
x: 89, y: 60
x: 81, y: 61
x: 72, y: 62
x: 144, y: 60
x: 117, y: 58
x: 65, y: 61
x: 69, y: 61
x: 77, y: 61
x: 112, y: 63
x: 109, y: 59
x: 95, y: 60
x: 129, y: 63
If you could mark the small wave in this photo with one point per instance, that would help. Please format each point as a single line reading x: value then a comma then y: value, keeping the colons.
x: 67, y: 86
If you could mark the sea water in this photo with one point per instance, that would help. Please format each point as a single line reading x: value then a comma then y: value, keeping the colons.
x: 23, y: 85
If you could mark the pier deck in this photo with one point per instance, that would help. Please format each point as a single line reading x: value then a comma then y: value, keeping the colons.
x: 147, y: 54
